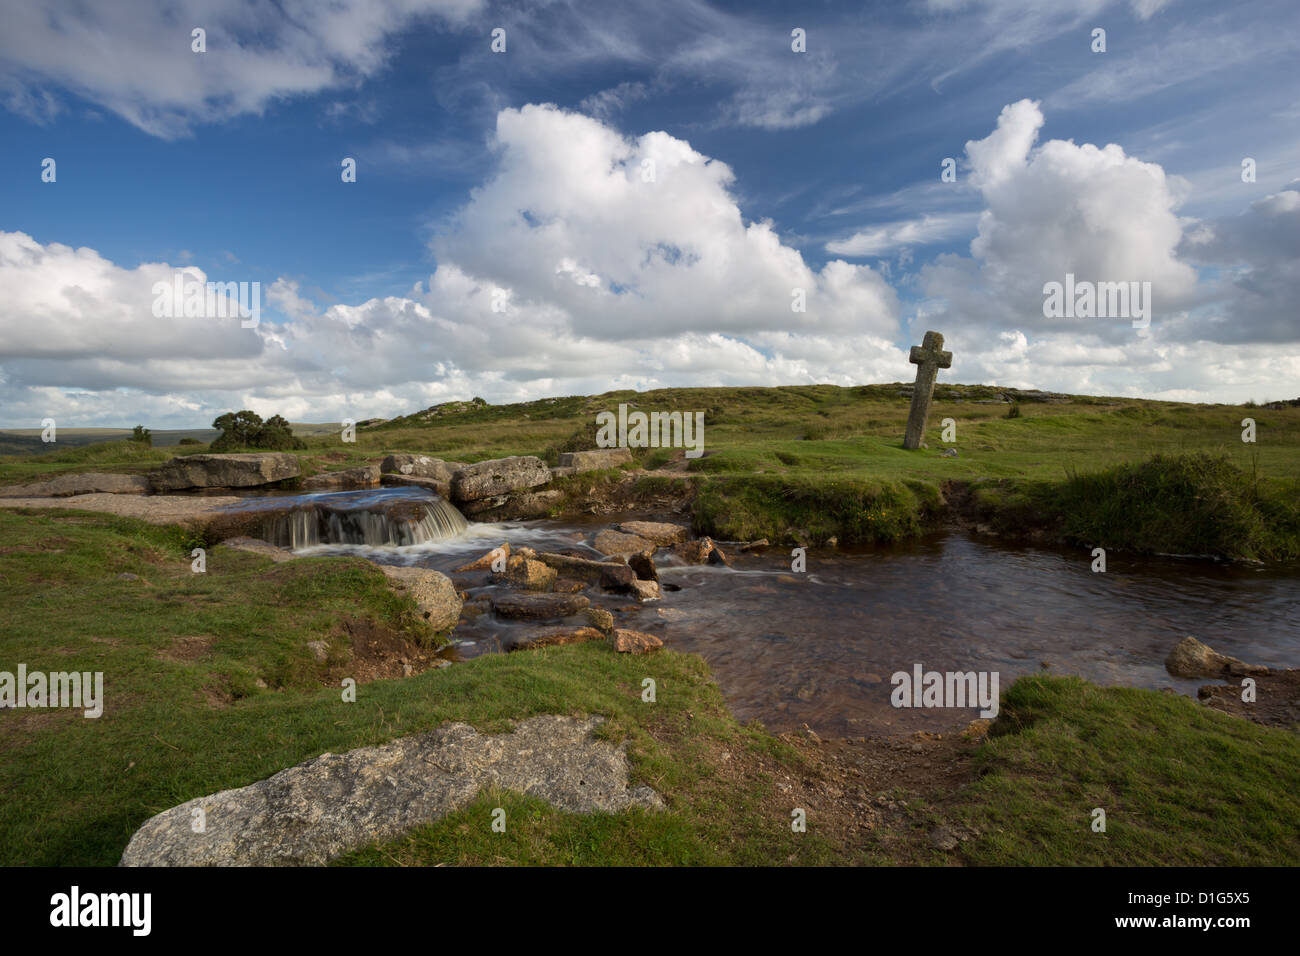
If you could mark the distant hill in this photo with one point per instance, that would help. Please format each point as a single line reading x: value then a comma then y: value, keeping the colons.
x: 27, y: 441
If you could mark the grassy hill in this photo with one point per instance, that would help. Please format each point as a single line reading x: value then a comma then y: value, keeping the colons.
x: 808, y: 463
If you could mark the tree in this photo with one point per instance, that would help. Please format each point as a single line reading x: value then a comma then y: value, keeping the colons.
x: 238, y: 430
x: 142, y: 435
x: 245, y: 429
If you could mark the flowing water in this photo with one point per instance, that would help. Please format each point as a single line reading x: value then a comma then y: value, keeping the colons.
x: 820, y: 647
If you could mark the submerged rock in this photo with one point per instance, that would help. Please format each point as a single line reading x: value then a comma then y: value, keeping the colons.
x: 539, y: 607
x: 332, y: 804
x: 553, y: 637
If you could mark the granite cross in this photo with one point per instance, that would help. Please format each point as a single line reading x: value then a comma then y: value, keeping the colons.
x: 928, y: 358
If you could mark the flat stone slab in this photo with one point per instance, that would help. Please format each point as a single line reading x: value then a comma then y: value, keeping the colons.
x: 366, y: 476
x: 660, y: 532
x: 156, y: 509
x: 595, y: 459
x: 420, y: 466
x: 615, y: 543
x: 335, y: 803
x: 83, y: 484
x: 539, y: 607
x: 225, y: 471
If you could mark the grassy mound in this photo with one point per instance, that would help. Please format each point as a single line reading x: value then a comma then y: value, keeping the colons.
x: 1180, y: 784
x: 1196, y: 504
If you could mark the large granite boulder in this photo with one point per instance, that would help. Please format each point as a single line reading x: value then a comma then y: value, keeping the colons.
x: 420, y: 466
x: 434, y: 594
x: 594, y: 460
x: 65, y: 486
x: 225, y: 471
x: 335, y: 803
x: 499, y: 476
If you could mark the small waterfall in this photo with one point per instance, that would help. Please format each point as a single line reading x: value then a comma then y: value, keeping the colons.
x: 378, y: 519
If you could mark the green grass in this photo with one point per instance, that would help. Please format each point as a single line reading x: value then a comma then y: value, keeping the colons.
x: 73, y: 790
x: 1180, y: 784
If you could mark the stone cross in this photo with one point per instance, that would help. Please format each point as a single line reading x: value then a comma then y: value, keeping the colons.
x: 928, y: 358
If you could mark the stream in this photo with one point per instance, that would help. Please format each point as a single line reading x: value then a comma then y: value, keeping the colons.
x: 819, y: 647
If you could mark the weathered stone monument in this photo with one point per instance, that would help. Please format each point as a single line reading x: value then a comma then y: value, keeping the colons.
x: 928, y: 357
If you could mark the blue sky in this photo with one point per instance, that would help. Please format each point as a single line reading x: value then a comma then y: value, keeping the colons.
x: 482, y: 172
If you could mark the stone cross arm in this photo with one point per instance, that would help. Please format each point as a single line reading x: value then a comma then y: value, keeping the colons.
x: 931, y: 351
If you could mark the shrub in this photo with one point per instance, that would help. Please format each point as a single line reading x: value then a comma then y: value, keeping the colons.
x: 142, y: 435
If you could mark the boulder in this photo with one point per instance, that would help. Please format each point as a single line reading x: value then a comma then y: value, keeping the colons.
x: 695, y: 552
x: 539, y: 607
x: 335, y: 803
x: 1191, y: 658
x: 568, y: 586
x: 434, y: 594
x: 645, y: 590
x: 521, y: 506
x: 577, y: 567
x: 420, y: 466
x: 439, y: 487
x: 553, y: 637
x: 484, y: 563
x: 659, y: 532
x: 225, y: 471
x: 617, y: 543
x: 600, y: 619
x: 643, y: 565
x: 618, y: 577
x: 634, y: 642
x: 367, y: 476
x: 595, y: 459
x: 528, y: 574
x: 498, y: 476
